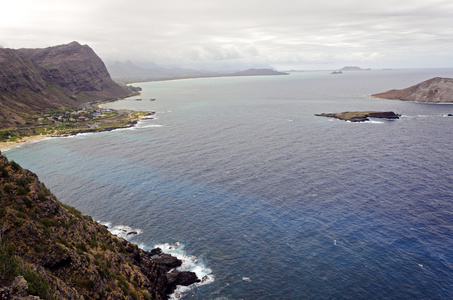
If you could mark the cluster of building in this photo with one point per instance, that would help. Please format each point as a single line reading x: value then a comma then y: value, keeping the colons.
x: 81, y: 115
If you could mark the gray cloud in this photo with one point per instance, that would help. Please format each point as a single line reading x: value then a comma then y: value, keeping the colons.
x: 288, y: 33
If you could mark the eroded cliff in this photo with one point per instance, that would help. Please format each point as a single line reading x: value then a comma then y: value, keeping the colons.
x: 63, y: 254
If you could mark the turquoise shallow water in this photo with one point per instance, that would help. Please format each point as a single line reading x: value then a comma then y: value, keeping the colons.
x: 268, y: 200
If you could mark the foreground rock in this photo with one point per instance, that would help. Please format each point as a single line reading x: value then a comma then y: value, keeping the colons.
x: 360, y: 116
x: 63, y: 254
x: 435, y: 90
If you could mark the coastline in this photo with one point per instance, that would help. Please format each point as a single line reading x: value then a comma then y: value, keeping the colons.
x: 33, y: 138
x: 24, y: 140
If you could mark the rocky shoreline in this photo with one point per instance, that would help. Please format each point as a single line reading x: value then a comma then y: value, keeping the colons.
x: 360, y: 116
x: 26, y: 139
x: 63, y: 254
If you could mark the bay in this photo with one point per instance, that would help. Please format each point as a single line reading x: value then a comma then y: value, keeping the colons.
x: 268, y: 200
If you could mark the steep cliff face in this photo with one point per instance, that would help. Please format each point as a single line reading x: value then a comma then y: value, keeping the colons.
x: 435, y: 90
x: 63, y: 254
x: 54, y: 77
x: 75, y: 68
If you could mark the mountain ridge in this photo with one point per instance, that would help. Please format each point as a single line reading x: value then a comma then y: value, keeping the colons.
x: 64, y: 76
x: 434, y: 90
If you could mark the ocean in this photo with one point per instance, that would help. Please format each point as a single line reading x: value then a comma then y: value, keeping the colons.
x: 265, y: 200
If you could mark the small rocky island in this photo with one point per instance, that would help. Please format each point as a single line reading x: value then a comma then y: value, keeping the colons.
x: 360, y: 116
x: 435, y: 90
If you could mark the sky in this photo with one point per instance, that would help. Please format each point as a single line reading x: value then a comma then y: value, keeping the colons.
x: 213, y: 34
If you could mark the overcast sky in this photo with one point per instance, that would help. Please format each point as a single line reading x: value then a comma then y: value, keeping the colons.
x: 299, y: 34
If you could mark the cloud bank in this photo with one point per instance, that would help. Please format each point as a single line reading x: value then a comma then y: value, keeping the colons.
x: 285, y: 33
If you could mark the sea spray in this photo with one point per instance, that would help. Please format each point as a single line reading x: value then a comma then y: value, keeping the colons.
x: 189, y: 262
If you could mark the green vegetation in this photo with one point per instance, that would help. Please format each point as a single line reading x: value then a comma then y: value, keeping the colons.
x: 58, y: 122
x: 360, y: 116
x: 61, y: 252
x: 12, y: 266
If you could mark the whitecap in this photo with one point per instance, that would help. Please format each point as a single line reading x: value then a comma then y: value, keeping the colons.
x: 123, y: 231
x: 150, y: 126
x: 247, y: 279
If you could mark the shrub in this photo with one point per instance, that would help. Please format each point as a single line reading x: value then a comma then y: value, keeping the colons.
x: 133, y: 295
x: 7, y: 188
x: 27, y: 201
x: 38, y: 285
x: 85, y: 283
x: 46, y: 222
x: 47, y: 232
x: 22, y: 190
x: 9, y: 263
x: 41, y: 196
x: 72, y: 210
x: 21, y: 215
x: 15, y: 165
x: 12, y: 266
x: 93, y: 241
x: 146, y: 296
x: 82, y: 246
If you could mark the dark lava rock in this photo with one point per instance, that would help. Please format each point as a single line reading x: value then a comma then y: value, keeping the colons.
x: 167, y: 262
x: 360, y: 116
x: 180, y: 278
x: 155, y: 251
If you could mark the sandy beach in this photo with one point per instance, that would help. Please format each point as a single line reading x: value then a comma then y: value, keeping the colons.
x: 23, y: 140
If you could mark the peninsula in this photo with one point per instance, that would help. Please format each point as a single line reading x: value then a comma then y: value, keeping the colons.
x: 360, y: 116
x: 435, y: 90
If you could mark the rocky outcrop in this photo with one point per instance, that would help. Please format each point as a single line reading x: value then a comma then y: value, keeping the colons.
x: 360, y: 116
x: 63, y: 254
x: 435, y: 90
x: 18, y: 289
x: 55, y: 77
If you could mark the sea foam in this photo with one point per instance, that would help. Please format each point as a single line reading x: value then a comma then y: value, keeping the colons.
x: 189, y: 263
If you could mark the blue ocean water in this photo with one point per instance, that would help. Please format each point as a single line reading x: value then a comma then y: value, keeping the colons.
x: 268, y: 200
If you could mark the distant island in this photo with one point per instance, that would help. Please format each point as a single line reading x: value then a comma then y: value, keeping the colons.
x: 347, y: 69
x: 360, y: 116
x: 435, y: 90
x: 353, y: 68
x: 257, y: 72
x: 128, y: 72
